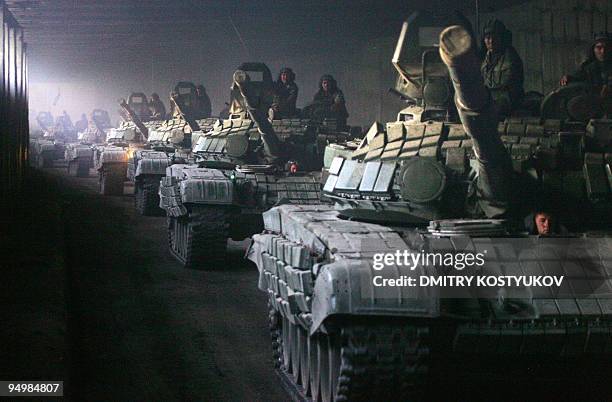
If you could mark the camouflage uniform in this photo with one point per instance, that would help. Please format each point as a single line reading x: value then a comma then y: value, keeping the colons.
x: 330, y: 103
x: 285, y: 95
x: 594, y: 73
x: 502, y: 70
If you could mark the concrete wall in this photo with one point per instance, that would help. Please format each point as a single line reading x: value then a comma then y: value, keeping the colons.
x: 13, y: 105
x: 553, y: 36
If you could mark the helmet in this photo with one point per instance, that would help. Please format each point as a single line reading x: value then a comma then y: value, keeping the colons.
x: 290, y: 73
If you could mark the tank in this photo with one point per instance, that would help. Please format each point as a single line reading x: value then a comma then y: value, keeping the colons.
x: 111, y: 158
x: 44, y: 121
x: 427, y: 185
x: 49, y: 143
x: 244, y: 166
x: 79, y: 155
x: 168, y: 143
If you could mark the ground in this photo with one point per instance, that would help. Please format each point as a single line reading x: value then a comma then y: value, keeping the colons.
x: 93, y: 297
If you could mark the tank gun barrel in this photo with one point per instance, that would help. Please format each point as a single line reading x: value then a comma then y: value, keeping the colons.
x: 459, y: 54
x: 479, y: 117
x: 184, y: 113
x: 143, y: 129
x: 270, y: 140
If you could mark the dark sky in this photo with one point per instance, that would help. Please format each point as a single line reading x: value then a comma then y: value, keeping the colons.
x: 93, y: 52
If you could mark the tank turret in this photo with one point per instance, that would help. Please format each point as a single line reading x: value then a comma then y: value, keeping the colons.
x: 427, y: 165
x: 134, y: 117
x: 79, y: 155
x: 181, y: 110
x: 244, y: 165
x: 44, y: 120
x: 169, y: 142
x: 346, y: 326
x: 101, y: 119
x: 137, y: 101
x: 257, y: 113
x: 423, y: 79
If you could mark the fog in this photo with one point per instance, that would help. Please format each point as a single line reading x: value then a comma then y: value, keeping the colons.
x: 94, y: 57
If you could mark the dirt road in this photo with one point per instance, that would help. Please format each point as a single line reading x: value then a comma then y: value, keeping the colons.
x: 143, y: 328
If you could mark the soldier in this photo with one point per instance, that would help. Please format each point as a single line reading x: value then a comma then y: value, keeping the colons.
x: 596, y: 70
x: 202, y: 107
x: 81, y: 124
x: 64, y: 121
x: 285, y: 94
x: 543, y: 223
x: 502, y: 68
x: 329, y: 101
x: 157, y: 108
x: 491, y: 194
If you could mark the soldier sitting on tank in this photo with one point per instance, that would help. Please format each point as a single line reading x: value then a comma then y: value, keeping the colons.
x: 64, y: 121
x: 157, y: 108
x: 596, y: 70
x: 492, y: 192
x: 202, y: 107
x: 328, y: 102
x: 81, y: 124
x: 542, y: 222
x: 285, y: 95
x: 502, y: 68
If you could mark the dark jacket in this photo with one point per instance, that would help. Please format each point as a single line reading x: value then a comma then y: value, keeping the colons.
x: 81, y: 125
x: 157, y: 108
x: 596, y: 74
x: 285, y: 95
x: 332, y: 100
x: 202, y: 106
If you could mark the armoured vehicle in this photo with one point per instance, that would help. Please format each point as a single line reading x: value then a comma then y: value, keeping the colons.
x: 337, y: 335
x: 111, y: 159
x: 79, y: 155
x: 49, y: 144
x: 45, y: 121
x: 43, y: 151
x: 244, y: 166
x: 169, y: 142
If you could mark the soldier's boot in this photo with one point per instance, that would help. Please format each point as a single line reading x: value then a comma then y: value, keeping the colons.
x: 479, y: 117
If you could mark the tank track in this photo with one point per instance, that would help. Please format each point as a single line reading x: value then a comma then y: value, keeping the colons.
x: 199, y: 240
x: 78, y: 168
x: 111, y: 179
x: 110, y: 184
x: 44, y: 160
x: 364, y: 362
x: 146, y: 197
